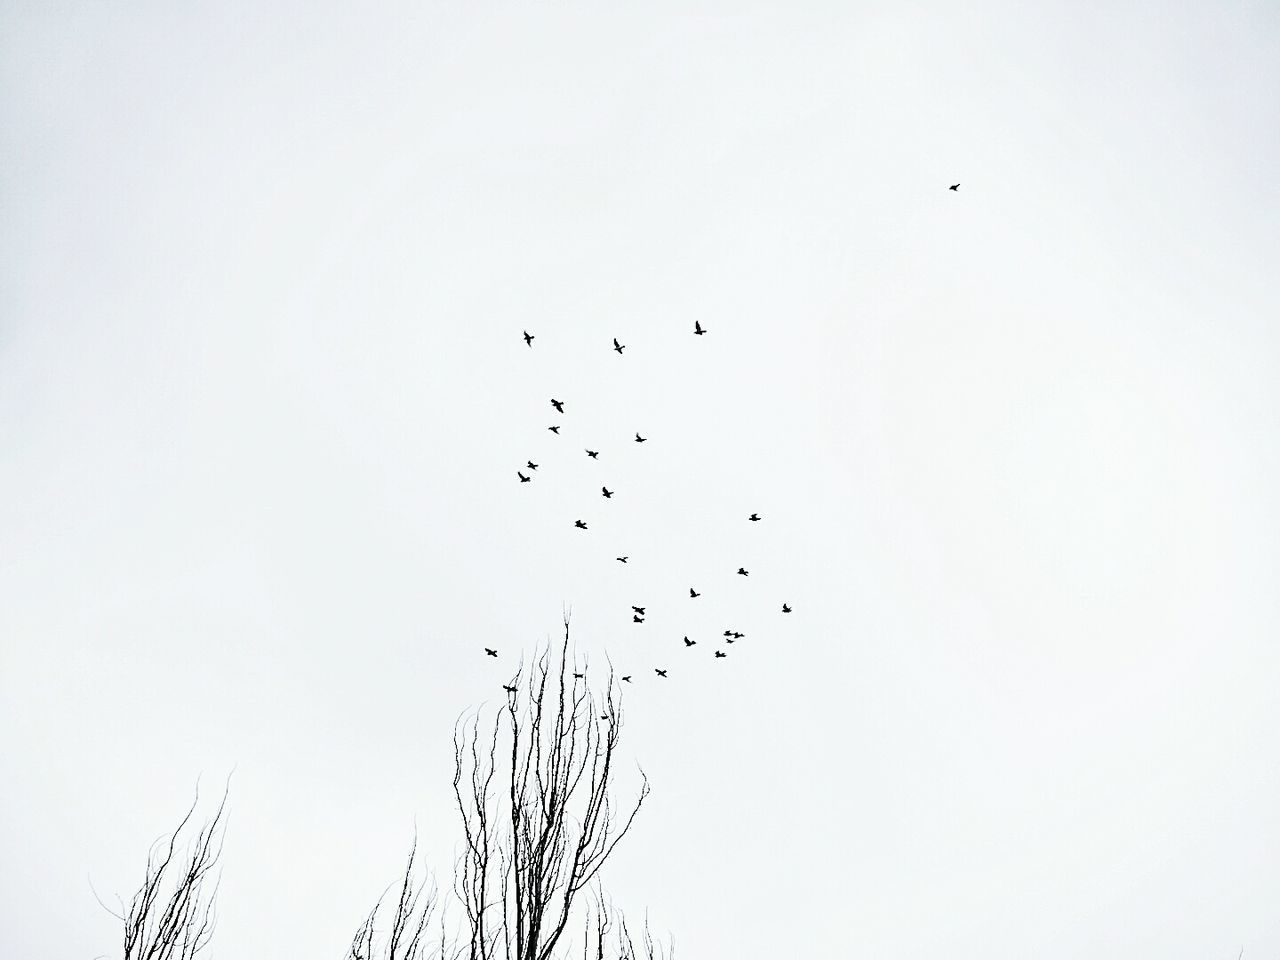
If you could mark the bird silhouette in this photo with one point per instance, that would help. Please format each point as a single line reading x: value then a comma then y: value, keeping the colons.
x: 754, y: 517
x: 528, y: 338
x: 955, y: 187
x: 608, y: 494
x: 729, y: 640
x: 689, y: 643
x: 593, y: 454
x: 578, y: 676
x: 640, y: 439
x: 737, y: 635
x: 508, y: 689
x: 627, y: 678
x: 694, y: 593
x: 661, y: 673
x: 490, y: 651
x: 697, y: 328
x: 618, y: 346
x: 786, y: 608
x: 558, y: 404
x: 531, y: 465
x: 604, y: 716
x: 720, y: 653
x: 636, y: 618
x: 728, y: 633
x: 639, y: 610
x: 523, y: 478
x: 555, y: 430
x: 622, y: 559
x: 579, y: 524
x: 743, y: 572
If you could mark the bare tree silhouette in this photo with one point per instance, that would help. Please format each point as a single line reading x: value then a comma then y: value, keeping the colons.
x: 172, y: 915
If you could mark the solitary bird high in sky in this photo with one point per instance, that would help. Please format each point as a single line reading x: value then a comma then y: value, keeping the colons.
x: 720, y: 653
x: 955, y: 187
x: 627, y: 678
x: 742, y: 571
x: 558, y: 404
x: 693, y: 593
x: 593, y: 454
x: 608, y: 494
x: 528, y: 339
x: 618, y: 346
x: 689, y: 643
x: 622, y: 559
x: 754, y: 517
x: 490, y: 651
x: 661, y: 673
x: 640, y: 439
x: 786, y: 608
x: 555, y: 430
x: 579, y: 524
x: 697, y: 328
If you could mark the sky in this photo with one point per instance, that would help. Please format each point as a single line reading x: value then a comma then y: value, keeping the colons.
x: 264, y: 270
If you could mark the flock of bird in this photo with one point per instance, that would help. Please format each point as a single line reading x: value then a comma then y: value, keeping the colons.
x: 526, y: 474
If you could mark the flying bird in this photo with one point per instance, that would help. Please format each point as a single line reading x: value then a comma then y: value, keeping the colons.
x: 697, y: 328
x: 661, y: 673
x: 531, y: 465
x: 689, y: 643
x: 490, y: 651
x: 743, y: 572
x: 579, y: 524
x: 728, y: 633
x: 639, y: 610
x: 636, y: 618
x: 754, y: 517
x: 608, y: 494
x: 786, y: 608
x: 694, y: 593
x: 729, y: 640
x: 555, y: 430
x: 737, y: 635
x: 528, y: 338
x: 593, y: 454
x: 618, y: 346
x: 627, y: 678
x: 622, y: 559
x: 604, y: 716
x: 523, y: 478
x: 558, y: 404
x: 578, y: 676
x: 640, y: 439
x: 720, y: 653
x: 955, y: 187
x: 508, y: 689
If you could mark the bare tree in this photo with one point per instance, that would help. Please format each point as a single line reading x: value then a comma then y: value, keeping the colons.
x: 532, y: 847
x: 411, y: 916
x: 172, y: 915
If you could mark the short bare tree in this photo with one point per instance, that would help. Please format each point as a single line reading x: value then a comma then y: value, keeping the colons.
x: 172, y: 915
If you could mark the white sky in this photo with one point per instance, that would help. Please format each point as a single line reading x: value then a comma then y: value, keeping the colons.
x: 263, y: 272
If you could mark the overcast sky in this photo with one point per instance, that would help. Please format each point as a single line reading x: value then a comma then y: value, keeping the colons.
x: 264, y: 270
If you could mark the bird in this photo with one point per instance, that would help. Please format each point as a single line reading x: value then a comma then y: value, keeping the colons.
x: 742, y: 571
x: 508, y: 689
x: 661, y: 673
x: 636, y: 618
x: 693, y: 593
x: 523, y: 478
x: 578, y: 676
x: 640, y: 439
x: 579, y: 524
x: 604, y: 716
x: 737, y: 635
x: 558, y: 404
x: 618, y: 346
x: 754, y: 517
x: 720, y: 653
x: 955, y: 187
x: 728, y: 633
x: 639, y: 610
x: 528, y: 338
x: 531, y: 465
x: 786, y: 608
x: 697, y: 328
x: 627, y: 678
x: 608, y: 494
x: 728, y: 640
x: 593, y: 454
x: 689, y: 643
x: 622, y: 559
x: 490, y: 651
x: 555, y: 430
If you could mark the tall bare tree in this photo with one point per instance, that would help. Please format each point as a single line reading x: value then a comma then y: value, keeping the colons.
x: 172, y: 915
